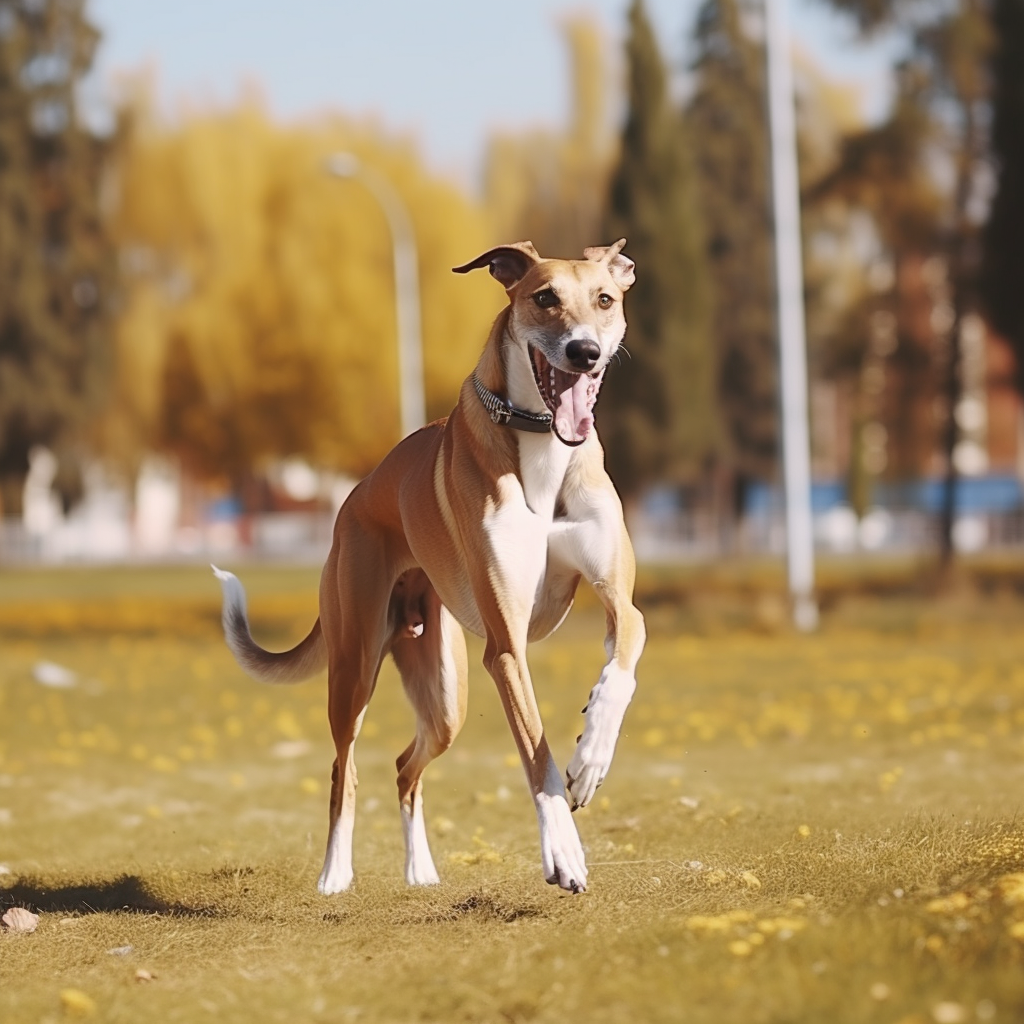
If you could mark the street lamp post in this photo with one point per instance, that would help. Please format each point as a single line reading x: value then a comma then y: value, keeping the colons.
x: 407, y: 291
x: 792, y: 339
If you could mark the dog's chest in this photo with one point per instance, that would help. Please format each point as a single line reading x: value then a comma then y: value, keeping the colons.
x: 543, y: 463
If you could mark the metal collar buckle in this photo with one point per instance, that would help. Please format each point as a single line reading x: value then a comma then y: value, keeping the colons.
x: 503, y: 413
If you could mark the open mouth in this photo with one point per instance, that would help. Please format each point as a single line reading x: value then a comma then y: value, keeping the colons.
x: 569, y: 396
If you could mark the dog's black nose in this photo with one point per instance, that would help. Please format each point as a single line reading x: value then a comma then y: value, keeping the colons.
x: 583, y: 353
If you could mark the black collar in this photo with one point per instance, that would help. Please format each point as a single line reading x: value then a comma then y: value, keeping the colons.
x: 505, y: 414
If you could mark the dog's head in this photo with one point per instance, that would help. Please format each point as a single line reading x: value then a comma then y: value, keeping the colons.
x: 566, y: 322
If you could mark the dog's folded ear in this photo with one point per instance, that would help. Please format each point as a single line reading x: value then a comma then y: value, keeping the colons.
x: 619, y: 266
x: 507, y: 263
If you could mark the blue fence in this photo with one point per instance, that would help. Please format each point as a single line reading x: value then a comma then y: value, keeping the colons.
x: 974, y: 495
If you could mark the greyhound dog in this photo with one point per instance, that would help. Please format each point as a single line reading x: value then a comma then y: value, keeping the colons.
x: 487, y: 519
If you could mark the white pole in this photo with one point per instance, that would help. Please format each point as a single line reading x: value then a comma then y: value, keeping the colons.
x: 412, y: 402
x: 792, y: 338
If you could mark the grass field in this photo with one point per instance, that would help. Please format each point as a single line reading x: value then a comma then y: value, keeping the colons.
x: 821, y: 829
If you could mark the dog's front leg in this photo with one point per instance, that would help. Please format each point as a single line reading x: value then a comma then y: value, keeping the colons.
x: 511, y: 557
x: 599, y: 548
x: 562, y: 858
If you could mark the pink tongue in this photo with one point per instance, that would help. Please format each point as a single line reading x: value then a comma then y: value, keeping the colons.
x: 574, y: 415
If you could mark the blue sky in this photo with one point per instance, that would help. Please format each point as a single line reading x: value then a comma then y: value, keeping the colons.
x: 449, y: 71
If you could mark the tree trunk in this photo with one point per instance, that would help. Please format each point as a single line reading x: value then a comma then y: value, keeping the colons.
x: 950, y: 435
x: 961, y: 273
x: 12, y: 488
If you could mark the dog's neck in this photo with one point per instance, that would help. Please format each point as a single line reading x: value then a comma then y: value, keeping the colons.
x: 505, y: 370
x: 520, y: 386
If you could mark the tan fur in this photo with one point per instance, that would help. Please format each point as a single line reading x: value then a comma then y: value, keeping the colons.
x: 425, y: 540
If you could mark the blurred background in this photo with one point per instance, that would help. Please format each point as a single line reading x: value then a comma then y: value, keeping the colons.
x: 200, y: 332
x: 227, y: 229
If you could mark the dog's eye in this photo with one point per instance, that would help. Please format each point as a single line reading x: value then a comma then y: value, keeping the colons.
x: 546, y: 299
x: 604, y: 300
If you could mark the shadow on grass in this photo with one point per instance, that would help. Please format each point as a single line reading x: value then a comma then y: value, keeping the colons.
x: 479, y: 906
x: 127, y: 894
x: 486, y: 907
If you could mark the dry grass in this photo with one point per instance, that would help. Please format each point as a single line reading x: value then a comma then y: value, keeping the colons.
x: 822, y: 829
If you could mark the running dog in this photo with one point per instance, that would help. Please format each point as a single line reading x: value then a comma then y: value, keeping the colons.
x: 486, y: 520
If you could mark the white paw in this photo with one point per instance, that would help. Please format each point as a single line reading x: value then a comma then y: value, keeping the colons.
x: 332, y: 881
x: 419, y: 865
x: 583, y: 778
x: 420, y: 874
x: 596, y: 747
x: 561, y: 853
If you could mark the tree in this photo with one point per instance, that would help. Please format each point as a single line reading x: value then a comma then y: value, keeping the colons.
x: 259, y: 321
x: 948, y: 58
x: 1003, y: 276
x: 56, y: 266
x: 838, y: 286
x: 726, y: 119
x: 661, y: 399
x: 956, y: 50
x: 884, y: 345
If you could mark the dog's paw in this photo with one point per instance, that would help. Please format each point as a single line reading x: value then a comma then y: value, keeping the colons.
x: 419, y: 874
x: 583, y: 779
x: 561, y: 852
x: 596, y: 747
x: 422, y: 877
x: 333, y: 881
x: 419, y: 865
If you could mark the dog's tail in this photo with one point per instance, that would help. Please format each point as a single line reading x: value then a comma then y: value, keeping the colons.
x: 307, y: 658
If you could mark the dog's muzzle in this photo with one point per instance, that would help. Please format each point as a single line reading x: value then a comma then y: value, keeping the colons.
x: 570, y: 397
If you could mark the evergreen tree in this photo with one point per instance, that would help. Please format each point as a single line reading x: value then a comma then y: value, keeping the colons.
x: 660, y: 419
x: 55, y: 263
x: 1003, y: 275
x: 727, y: 121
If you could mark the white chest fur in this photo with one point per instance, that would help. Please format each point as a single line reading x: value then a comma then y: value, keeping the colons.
x: 543, y: 462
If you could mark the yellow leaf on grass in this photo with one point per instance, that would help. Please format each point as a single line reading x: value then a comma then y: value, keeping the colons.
x: 949, y: 904
x: 1011, y: 887
x: 484, y: 854
x: 76, y: 1003
x: 706, y: 923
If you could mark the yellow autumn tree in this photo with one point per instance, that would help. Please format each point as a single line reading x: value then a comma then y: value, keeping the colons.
x: 259, y: 314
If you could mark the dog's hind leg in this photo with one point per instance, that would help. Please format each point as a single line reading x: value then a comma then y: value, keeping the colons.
x: 346, y: 712
x: 354, y: 612
x: 432, y: 662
